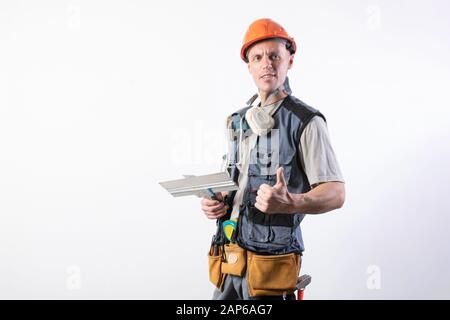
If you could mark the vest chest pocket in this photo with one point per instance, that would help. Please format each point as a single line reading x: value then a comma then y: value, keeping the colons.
x: 264, y: 163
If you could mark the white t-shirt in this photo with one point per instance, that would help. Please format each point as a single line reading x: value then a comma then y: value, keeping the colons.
x: 317, y: 156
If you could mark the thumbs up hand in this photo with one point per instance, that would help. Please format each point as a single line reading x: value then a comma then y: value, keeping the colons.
x: 274, y: 199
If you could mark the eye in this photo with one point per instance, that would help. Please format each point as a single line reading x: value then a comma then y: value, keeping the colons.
x: 256, y: 57
x: 274, y: 57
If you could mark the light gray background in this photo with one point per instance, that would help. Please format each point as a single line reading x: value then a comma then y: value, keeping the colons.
x: 100, y: 100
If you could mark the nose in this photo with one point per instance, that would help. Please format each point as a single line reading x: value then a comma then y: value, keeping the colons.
x: 267, y: 62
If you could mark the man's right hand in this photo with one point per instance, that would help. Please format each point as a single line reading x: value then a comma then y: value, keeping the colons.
x: 214, y: 209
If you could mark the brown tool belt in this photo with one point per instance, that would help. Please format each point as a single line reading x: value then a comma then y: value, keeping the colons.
x: 268, y: 275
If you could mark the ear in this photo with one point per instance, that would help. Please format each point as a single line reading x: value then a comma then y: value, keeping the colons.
x: 291, y: 61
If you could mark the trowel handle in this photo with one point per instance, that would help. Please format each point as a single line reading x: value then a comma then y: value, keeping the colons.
x: 212, y: 194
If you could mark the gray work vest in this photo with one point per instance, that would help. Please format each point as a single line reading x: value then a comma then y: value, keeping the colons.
x: 278, y: 233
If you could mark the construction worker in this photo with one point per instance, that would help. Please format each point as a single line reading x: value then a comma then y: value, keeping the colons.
x: 281, y: 157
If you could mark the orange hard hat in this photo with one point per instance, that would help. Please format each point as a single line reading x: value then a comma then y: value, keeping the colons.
x: 263, y: 29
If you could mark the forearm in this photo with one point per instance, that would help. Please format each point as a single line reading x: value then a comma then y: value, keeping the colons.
x: 323, y: 198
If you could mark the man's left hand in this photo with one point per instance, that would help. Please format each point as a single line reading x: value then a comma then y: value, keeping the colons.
x: 274, y: 199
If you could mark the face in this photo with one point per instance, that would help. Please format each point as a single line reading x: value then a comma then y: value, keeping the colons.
x: 268, y: 63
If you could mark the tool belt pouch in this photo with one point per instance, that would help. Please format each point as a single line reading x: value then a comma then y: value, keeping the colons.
x: 215, y: 269
x: 272, y: 275
x: 235, y: 260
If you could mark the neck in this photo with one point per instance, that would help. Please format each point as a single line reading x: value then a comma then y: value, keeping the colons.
x: 268, y: 98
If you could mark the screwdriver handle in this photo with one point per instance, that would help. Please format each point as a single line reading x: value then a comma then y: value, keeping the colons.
x: 212, y: 194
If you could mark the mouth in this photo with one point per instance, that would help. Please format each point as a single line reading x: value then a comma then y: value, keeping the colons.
x: 267, y: 76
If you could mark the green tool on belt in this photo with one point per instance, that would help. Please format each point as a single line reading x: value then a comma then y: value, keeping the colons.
x: 229, y: 228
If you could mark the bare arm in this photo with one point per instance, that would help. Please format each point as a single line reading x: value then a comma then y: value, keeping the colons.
x: 323, y: 198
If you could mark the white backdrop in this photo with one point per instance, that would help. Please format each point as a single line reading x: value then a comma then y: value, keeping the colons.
x: 101, y: 100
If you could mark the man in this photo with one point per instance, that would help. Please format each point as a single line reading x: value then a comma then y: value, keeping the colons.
x: 282, y: 159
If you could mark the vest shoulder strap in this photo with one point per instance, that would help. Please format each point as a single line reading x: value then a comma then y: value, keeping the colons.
x: 301, y: 109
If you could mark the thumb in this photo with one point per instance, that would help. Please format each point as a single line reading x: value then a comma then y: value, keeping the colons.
x: 280, y: 177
